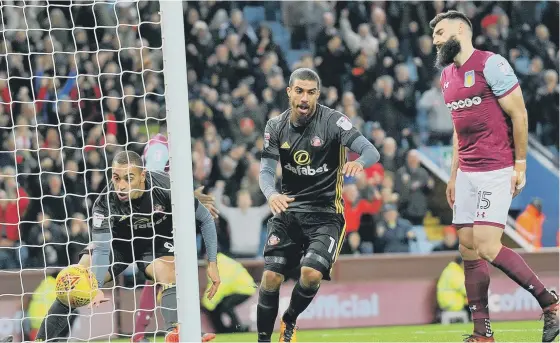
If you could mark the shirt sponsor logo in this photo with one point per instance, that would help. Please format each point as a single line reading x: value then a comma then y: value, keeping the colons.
x: 302, y: 157
x: 307, y: 170
x: 464, y: 103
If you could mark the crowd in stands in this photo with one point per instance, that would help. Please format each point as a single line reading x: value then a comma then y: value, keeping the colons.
x: 71, y: 99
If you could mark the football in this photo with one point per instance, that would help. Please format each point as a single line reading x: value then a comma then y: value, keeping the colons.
x: 76, y: 286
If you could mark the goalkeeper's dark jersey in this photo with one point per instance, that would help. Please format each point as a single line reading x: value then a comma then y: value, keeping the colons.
x: 149, y: 215
x: 312, y: 158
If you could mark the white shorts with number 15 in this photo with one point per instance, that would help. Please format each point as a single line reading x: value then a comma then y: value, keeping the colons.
x: 482, y: 198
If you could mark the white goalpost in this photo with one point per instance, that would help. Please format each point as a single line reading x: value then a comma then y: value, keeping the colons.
x: 177, y: 104
x: 81, y: 81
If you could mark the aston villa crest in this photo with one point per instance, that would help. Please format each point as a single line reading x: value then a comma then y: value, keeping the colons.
x: 469, y: 79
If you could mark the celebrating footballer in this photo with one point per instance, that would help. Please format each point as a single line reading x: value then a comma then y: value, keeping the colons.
x: 309, y: 141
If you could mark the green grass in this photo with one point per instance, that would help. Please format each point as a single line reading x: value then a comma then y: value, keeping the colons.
x: 526, y: 331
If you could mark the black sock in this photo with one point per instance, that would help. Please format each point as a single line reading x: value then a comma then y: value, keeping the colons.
x: 169, y: 306
x: 301, y: 298
x: 55, y: 323
x: 267, y: 310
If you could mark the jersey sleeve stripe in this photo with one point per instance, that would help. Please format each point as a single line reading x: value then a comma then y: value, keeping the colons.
x: 509, y: 91
x: 353, y: 138
x: 340, y: 181
x: 269, y: 155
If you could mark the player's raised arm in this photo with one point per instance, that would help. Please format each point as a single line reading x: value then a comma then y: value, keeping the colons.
x: 503, y: 82
x: 208, y: 230
x: 350, y: 137
x: 278, y: 202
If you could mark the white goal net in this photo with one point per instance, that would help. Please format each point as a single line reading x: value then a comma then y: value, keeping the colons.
x: 79, y: 82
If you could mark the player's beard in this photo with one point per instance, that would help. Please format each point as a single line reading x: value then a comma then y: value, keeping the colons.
x: 447, y: 52
x: 302, y: 119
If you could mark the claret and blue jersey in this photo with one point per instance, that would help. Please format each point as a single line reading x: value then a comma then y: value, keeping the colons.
x: 471, y: 93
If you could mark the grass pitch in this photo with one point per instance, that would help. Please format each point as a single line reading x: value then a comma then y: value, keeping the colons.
x: 525, y: 331
x: 528, y: 331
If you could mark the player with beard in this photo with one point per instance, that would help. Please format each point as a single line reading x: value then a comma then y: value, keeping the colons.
x: 309, y: 140
x: 132, y: 223
x: 489, y: 166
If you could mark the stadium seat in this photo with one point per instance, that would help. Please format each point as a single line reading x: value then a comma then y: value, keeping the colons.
x: 254, y: 15
x: 448, y: 317
x: 292, y: 56
x: 280, y: 35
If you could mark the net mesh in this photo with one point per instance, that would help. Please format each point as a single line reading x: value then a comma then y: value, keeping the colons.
x: 79, y: 82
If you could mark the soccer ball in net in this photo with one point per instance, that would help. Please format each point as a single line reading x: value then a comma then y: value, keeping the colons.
x: 76, y: 286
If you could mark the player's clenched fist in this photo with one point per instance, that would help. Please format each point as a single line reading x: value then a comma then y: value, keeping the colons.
x: 352, y: 168
x: 450, y: 192
x: 279, y: 203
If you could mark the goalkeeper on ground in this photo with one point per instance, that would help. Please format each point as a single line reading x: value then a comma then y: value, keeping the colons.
x: 132, y: 223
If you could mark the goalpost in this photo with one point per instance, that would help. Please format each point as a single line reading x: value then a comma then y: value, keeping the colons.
x: 80, y: 81
x: 174, y: 60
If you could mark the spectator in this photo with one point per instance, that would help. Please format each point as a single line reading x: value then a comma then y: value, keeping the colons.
x: 391, y: 159
x: 450, y: 240
x: 245, y: 222
x: 78, y: 236
x: 362, y: 41
x: 47, y: 243
x: 529, y: 223
x: 393, y: 232
x: 355, y: 207
x: 236, y: 288
x: 413, y: 183
x: 451, y: 291
x: 547, y: 103
x: 440, y: 125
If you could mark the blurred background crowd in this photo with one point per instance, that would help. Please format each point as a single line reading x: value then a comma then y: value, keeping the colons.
x: 80, y: 83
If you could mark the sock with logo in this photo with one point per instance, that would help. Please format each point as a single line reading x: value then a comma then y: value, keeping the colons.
x: 301, y: 298
x: 55, y: 323
x: 477, y: 281
x: 267, y: 311
x: 146, y: 310
x: 514, y: 266
x: 169, y: 306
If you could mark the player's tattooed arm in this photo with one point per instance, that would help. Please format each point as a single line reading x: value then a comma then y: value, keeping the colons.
x: 504, y: 84
x: 514, y: 105
x: 450, y: 191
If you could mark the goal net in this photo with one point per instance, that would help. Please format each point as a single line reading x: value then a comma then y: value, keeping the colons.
x: 79, y: 82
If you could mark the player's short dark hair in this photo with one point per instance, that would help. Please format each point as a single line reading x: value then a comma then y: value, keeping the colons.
x: 305, y: 74
x: 451, y: 15
x: 128, y: 157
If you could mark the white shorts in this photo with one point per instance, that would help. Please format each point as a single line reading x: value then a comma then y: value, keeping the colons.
x: 482, y: 198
